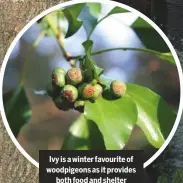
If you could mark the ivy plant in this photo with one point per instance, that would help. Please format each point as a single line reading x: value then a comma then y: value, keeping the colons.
x: 109, y: 110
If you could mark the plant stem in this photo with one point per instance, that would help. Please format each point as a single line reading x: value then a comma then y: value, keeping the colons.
x: 56, y: 33
x: 37, y: 41
x: 115, y: 49
x: 125, y: 49
x: 76, y: 57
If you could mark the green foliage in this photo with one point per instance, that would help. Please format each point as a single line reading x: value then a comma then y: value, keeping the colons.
x: 149, y: 36
x: 72, y: 13
x: 89, y: 65
x: 116, y: 10
x: 89, y: 16
x: 104, y: 80
x: 95, y: 9
x: 152, y: 40
x: 83, y: 135
x: 167, y: 57
x: 114, y: 118
x: 17, y: 109
x: 155, y: 118
x: 106, y: 122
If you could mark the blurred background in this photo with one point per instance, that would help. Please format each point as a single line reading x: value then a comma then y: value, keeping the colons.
x: 47, y: 127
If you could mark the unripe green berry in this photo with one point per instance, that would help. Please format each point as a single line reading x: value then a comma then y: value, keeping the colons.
x: 62, y: 104
x: 79, y: 103
x: 86, y: 91
x: 118, y: 88
x: 58, y: 77
x: 94, y: 82
x: 97, y: 91
x: 70, y: 93
x: 74, y: 76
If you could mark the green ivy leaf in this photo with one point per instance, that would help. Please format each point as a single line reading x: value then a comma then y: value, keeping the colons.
x: 116, y: 10
x: 83, y: 135
x: 89, y: 16
x: 89, y: 64
x: 149, y: 36
x: 94, y: 9
x: 167, y: 57
x: 72, y: 13
x: 155, y: 117
x: 114, y: 118
x: 104, y: 80
x: 17, y: 109
x: 141, y: 23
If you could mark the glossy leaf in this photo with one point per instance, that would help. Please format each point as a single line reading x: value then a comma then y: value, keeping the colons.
x: 17, y: 109
x: 83, y: 135
x: 89, y: 64
x: 114, y: 118
x: 104, y: 80
x: 89, y: 16
x: 167, y: 57
x: 155, y: 117
x: 72, y: 14
x: 141, y: 23
x: 149, y: 36
x: 95, y: 9
x: 116, y: 10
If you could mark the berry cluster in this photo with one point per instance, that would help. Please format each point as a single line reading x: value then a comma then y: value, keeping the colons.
x: 69, y: 90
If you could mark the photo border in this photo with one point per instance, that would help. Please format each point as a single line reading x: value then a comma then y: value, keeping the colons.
x: 62, y: 5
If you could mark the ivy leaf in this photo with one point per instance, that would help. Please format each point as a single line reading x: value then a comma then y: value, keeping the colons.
x: 104, y: 80
x: 72, y: 13
x: 94, y: 9
x: 16, y: 108
x: 167, y: 57
x: 83, y: 135
x: 89, y: 64
x: 114, y: 118
x: 155, y: 117
x: 89, y: 16
x: 116, y: 10
x: 149, y: 36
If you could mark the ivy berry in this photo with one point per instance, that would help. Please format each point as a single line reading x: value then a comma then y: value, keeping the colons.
x: 86, y: 91
x: 58, y: 77
x: 74, y: 76
x: 70, y: 93
x: 97, y: 91
x: 118, y: 88
x: 62, y: 104
x: 79, y: 105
